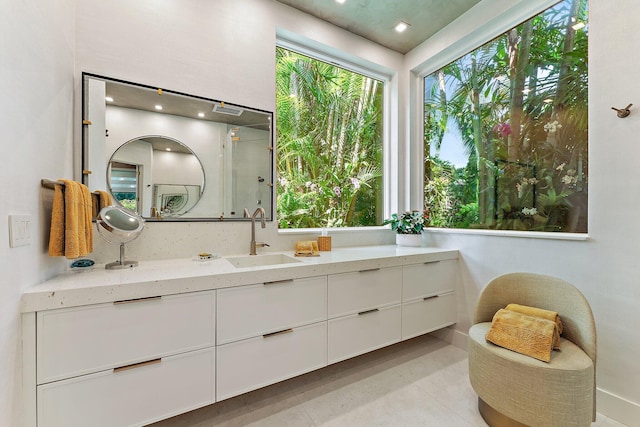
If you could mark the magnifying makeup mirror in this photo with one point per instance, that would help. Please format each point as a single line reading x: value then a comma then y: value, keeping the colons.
x: 118, y: 226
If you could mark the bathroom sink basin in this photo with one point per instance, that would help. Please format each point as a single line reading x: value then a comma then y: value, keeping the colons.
x: 261, y: 260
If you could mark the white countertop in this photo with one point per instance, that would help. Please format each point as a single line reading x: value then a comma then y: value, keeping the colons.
x: 166, y: 277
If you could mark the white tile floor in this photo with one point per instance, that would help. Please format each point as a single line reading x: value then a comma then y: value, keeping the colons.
x: 420, y: 382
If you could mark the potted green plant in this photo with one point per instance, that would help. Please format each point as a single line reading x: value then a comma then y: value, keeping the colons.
x: 408, y: 226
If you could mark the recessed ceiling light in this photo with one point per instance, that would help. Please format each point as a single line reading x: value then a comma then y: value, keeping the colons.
x: 158, y: 107
x: 200, y: 114
x: 168, y: 149
x: 340, y: 1
x: 401, y: 26
x: 108, y: 99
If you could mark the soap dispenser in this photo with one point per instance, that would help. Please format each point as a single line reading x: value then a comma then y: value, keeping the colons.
x: 324, y: 241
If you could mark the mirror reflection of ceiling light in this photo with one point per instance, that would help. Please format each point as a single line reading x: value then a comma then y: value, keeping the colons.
x: 108, y: 99
x: 168, y: 149
x: 340, y: 1
x: 200, y: 114
x: 401, y: 26
x: 158, y: 107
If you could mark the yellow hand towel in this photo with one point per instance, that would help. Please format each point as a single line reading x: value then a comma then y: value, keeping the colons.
x: 56, y: 234
x: 532, y: 336
x: 105, y: 199
x: 99, y: 199
x: 307, y: 248
x: 71, y: 231
x: 540, y: 312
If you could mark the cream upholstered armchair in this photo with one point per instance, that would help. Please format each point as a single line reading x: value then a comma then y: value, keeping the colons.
x: 517, y: 390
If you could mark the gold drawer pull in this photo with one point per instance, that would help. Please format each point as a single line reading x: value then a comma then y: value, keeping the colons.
x: 431, y: 297
x: 130, y: 301
x: 136, y: 365
x: 368, y: 270
x: 431, y: 262
x: 368, y: 311
x: 275, y: 282
x: 285, y: 331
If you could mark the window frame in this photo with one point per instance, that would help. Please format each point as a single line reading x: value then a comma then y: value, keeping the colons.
x: 448, y: 50
x: 358, y: 65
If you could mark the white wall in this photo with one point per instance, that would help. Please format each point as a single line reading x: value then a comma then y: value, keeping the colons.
x: 605, y: 267
x: 36, y: 83
x: 223, y: 49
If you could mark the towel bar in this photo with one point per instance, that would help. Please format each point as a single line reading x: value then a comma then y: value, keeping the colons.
x: 47, y: 183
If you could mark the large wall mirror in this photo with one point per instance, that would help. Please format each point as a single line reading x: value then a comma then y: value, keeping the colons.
x: 175, y: 157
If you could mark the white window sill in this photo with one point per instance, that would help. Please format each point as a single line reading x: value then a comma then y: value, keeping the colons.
x: 494, y: 233
x: 330, y: 231
x: 511, y: 233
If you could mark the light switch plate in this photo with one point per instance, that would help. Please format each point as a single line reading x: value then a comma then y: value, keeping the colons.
x: 19, y: 230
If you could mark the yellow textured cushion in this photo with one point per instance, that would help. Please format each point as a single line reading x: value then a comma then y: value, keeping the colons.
x: 545, y: 314
x: 533, y: 336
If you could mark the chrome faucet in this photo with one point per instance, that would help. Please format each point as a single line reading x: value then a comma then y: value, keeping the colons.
x: 254, y: 244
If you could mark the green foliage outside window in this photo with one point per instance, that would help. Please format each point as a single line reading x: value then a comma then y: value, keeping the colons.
x: 329, y: 144
x: 518, y: 107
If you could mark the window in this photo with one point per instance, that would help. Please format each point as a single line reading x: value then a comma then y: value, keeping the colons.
x: 329, y: 144
x: 124, y: 184
x: 505, y: 129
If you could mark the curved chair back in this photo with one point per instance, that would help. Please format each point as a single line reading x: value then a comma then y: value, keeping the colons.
x: 546, y: 292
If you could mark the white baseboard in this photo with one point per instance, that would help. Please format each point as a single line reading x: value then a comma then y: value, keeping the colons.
x: 618, y: 408
x: 453, y: 337
x: 608, y: 404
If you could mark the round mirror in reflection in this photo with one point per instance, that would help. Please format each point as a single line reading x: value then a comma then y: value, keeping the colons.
x: 156, y: 176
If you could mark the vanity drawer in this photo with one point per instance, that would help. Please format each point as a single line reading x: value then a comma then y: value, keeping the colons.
x: 130, y: 397
x: 427, y: 279
x: 353, y: 335
x: 351, y: 293
x: 250, y: 311
x: 428, y: 314
x: 257, y: 362
x: 77, y: 341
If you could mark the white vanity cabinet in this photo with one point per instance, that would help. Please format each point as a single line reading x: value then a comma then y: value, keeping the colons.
x: 184, y: 342
x: 125, y: 363
x: 364, y: 310
x: 428, y: 297
x: 270, y: 332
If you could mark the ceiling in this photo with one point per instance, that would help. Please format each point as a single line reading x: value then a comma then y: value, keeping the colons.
x: 130, y: 95
x: 375, y: 19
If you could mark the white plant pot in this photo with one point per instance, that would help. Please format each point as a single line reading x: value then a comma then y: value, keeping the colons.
x: 409, y: 239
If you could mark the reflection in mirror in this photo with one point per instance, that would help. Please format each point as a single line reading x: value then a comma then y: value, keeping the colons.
x: 175, y: 200
x: 157, y: 161
x: 157, y: 177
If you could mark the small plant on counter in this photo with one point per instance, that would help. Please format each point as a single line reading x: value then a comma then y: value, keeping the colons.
x: 412, y: 222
